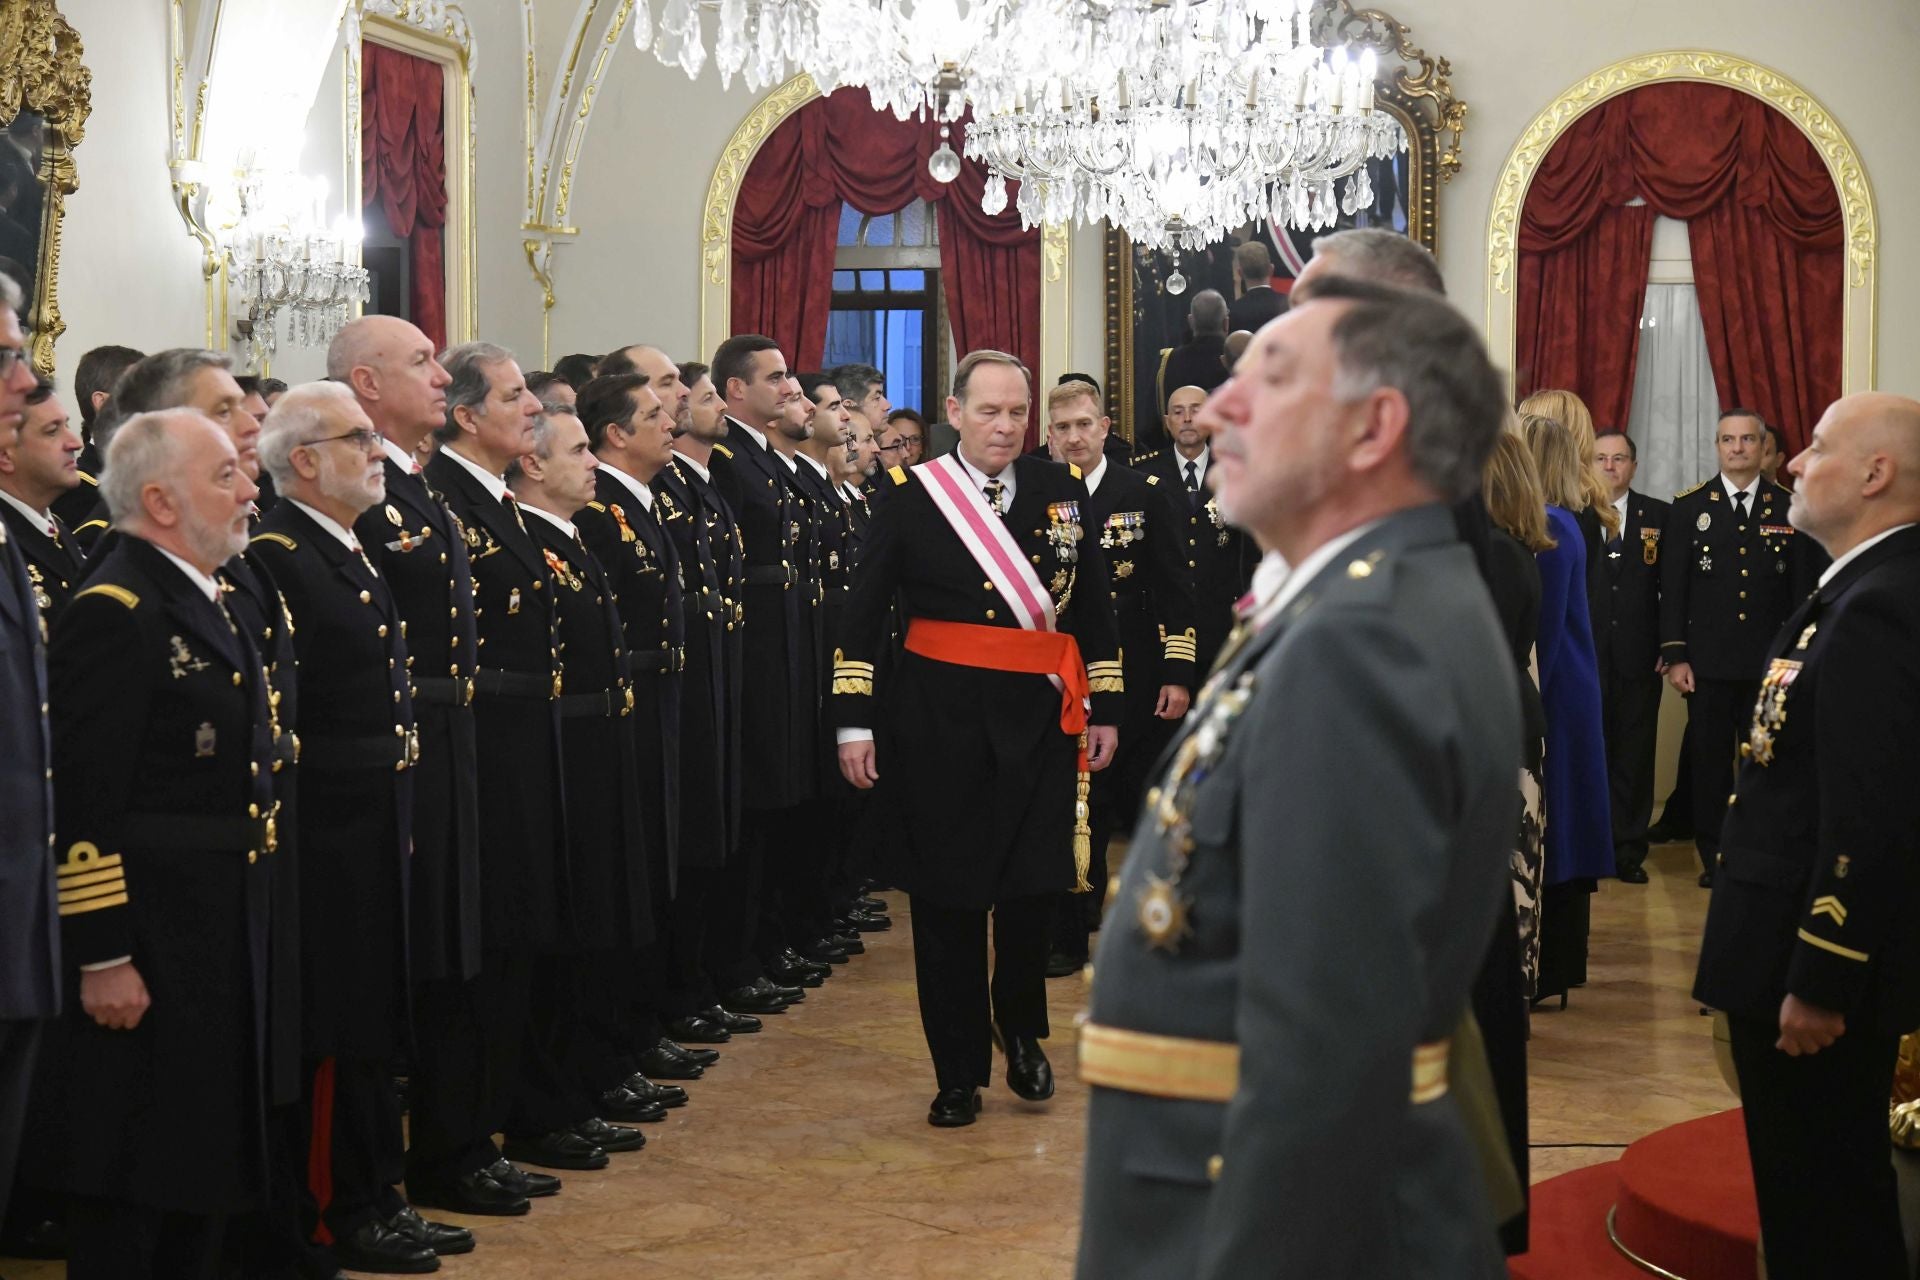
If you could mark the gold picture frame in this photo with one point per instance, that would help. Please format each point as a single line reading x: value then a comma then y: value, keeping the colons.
x: 46, y: 94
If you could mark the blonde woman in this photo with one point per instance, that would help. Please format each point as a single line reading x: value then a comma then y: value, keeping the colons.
x: 1579, y: 839
x: 1571, y: 412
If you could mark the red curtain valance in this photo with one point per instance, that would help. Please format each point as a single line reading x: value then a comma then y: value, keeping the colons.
x: 787, y: 215
x: 1766, y: 231
x: 403, y: 166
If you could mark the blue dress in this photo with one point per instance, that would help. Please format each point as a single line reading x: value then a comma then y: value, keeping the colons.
x: 1579, y: 843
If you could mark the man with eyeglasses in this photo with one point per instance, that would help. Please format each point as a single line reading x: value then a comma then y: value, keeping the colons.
x: 357, y: 747
x: 904, y: 442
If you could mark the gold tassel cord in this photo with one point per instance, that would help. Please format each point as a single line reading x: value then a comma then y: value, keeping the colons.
x: 1082, y: 827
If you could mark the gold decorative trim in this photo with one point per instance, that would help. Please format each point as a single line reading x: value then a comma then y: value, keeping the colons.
x: 1652, y: 1269
x: 1387, y: 36
x: 41, y: 71
x: 716, y: 235
x: 1859, y: 354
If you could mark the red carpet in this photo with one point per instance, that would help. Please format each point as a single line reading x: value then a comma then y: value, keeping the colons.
x: 1682, y: 1200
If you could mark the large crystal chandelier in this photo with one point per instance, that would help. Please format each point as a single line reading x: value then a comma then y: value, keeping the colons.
x: 289, y: 271
x: 1177, y: 120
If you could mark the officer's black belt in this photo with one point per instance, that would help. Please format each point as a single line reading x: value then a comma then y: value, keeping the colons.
x: 453, y: 691
x: 346, y: 751
x: 666, y: 661
x: 195, y: 832
x: 513, y: 684
x: 607, y: 702
x: 762, y: 575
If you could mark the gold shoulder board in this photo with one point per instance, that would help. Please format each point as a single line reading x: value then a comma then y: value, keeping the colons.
x: 598, y: 506
x: 723, y: 451
x: 89, y: 480
x: 1697, y: 488
x: 112, y: 592
x: 280, y: 538
x: 899, y: 474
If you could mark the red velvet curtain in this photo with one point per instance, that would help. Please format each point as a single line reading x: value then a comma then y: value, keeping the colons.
x: 1766, y: 232
x: 787, y: 216
x: 403, y: 166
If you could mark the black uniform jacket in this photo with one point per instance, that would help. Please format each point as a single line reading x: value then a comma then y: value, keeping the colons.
x: 357, y: 743
x: 711, y: 584
x: 643, y: 565
x: 165, y: 856
x: 29, y: 943
x: 54, y: 565
x: 972, y: 762
x: 419, y: 549
x: 607, y: 831
x: 778, y: 691
x: 1820, y: 853
x: 1220, y: 557
x: 1626, y: 616
x: 81, y: 509
x: 833, y: 528
x: 1142, y: 537
x: 516, y: 723
x: 1728, y: 583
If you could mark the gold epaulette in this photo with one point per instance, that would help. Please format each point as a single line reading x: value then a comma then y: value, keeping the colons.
x: 1139, y: 458
x: 1697, y: 488
x: 90, y: 881
x: 111, y: 592
x: 898, y: 474
x: 851, y: 677
x: 1105, y: 677
x: 89, y: 479
x: 280, y: 538
x: 597, y: 506
x: 723, y: 451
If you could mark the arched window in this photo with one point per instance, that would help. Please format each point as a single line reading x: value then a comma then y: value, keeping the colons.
x: 887, y: 305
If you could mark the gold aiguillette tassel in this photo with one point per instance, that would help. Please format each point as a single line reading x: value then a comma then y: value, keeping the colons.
x: 1082, y: 828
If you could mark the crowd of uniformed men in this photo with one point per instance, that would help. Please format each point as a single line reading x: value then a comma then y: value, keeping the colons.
x: 441, y: 723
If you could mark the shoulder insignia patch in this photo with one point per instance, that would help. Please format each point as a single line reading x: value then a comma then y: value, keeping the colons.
x: 899, y: 474
x: 1696, y: 488
x: 1153, y: 479
x: 89, y: 480
x: 111, y: 592
x: 280, y: 538
x: 1075, y: 469
x: 723, y: 451
x: 597, y: 506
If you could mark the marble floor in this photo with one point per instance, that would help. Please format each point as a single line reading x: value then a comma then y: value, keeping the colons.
x: 805, y: 1152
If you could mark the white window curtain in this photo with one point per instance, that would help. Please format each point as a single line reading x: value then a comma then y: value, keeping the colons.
x: 1675, y: 406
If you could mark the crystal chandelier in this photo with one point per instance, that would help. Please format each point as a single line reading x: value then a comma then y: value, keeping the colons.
x: 285, y: 264
x: 1177, y: 120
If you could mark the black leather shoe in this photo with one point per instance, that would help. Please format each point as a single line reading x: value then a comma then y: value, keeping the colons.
x: 792, y: 995
x: 659, y: 1064
x: 374, y: 1246
x: 704, y: 1057
x: 741, y: 1024
x: 791, y: 959
x: 865, y: 922
x: 1062, y: 965
x: 667, y: 1095
x: 525, y: 1181
x: 824, y: 952
x: 874, y: 905
x: 608, y: 1137
x: 794, y: 977
x: 443, y: 1238
x: 478, y: 1193
x: 1706, y: 879
x: 699, y: 1028
x: 624, y: 1106
x: 1029, y: 1074
x: 752, y: 1000
x: 1633, y: 875
x: 849, y: 943
x: 953, y: 1108
x: 557, y: 1150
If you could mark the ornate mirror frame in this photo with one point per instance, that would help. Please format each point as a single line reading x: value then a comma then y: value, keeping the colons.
x: 1418, y: 93
x: 41, y: 73
x: 1859, y: 341
x: 716, y: 238
x: 437, y: 32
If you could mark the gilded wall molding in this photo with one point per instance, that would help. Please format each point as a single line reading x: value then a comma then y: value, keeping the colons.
x: 1859, y: 358
x: 716, y: 237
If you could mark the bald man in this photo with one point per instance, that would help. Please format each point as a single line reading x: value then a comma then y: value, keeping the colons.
x: 1812, y: 944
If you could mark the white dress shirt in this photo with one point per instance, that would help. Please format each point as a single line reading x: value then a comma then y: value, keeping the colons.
x: 1095, y: 476
x: 1200, y: 465
x: 1853, y: 553
x: 564, y: 526
x: 331, y: 525
x: 1274, y: 592
x: 400, y: 457
x: 41, y: 518
x: 699, y: 468
x: 980, y: 479
x: 641, y: 494
x: 493, y: 484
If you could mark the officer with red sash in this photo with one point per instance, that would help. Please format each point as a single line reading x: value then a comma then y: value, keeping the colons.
x: 1006, y: 698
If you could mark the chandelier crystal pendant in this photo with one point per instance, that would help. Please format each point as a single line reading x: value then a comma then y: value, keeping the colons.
x: 286, y: 264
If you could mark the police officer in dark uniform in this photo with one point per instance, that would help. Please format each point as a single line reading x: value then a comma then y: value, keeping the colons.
x: 1140, y: 535
x: 1219, y: 557
x: 979, y: 727
x: 1626, y: 633
x: 80, y: 508
x: 35, y: 471
x: 418, y: 547
x: 609, y: 887
x: 1734, y: 569
x: 357, y: 747
x: 1811, y: 947
x: 164, y: 864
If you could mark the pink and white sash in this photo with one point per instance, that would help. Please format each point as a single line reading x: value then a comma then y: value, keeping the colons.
x: 988, y: 540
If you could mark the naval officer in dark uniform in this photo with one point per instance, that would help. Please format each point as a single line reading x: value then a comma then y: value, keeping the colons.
x: 36, y: 470
x: 1812, y: 947
x: 1141, y: 536
x: 80, y: 508
x: 164, y: 864
x: 1010, y: 634
x: 1734, y: 569
x: 1288, y: 951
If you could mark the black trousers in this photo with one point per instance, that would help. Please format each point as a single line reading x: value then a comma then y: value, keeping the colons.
x: 958, y: 1005
x: 600, y: 1044
x: 545, y: 1095
x: 353, y: 1144
x: 684, y: 985
x: 469, y: 1037
x: 793, y: 908
x: 1822, y: 1164
x: 117, y: 1240
x: 19, y: 1043
x: 1718, y: 715
x: 1630, y: 721
x: 735, y: 912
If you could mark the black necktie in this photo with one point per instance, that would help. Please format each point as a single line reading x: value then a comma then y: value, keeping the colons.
x: 1193, y: 484
x: 1740, y: 504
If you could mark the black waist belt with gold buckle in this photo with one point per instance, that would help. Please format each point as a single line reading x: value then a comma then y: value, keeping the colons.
x: 607, y: 702
x: 525, y: 685
x: 345, y: 751
x: 198, y: 832
x: 764, y: 575
x: 450, y: 691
